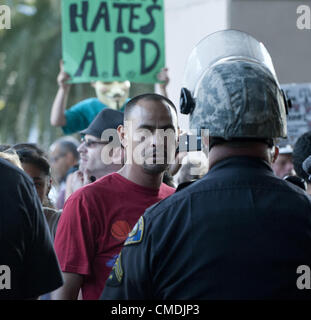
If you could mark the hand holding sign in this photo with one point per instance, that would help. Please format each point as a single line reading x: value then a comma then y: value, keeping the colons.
x: 63, y: 77
x: 163, y: 77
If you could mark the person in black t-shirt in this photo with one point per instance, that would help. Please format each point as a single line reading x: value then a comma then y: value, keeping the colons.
x: 28, y: 264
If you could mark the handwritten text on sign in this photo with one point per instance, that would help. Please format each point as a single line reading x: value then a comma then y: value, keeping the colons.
x: 113, y: 39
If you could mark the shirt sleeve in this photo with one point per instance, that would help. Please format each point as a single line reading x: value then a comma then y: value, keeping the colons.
x: 76, y: 119
x: 42, y: 272
x: 75, y: 242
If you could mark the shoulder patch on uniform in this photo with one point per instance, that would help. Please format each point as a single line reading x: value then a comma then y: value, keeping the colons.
x: 136, y: 235
x: 116, y: 275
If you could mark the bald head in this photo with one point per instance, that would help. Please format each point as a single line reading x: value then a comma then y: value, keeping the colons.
x: 141, y: 99
x: 151, y: 131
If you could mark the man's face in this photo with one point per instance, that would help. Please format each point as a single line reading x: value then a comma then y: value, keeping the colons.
x: 59, y: 163
x: 151, y: 130
x: 113, y: 94
x: 283, y: 166
x: 90, y: 154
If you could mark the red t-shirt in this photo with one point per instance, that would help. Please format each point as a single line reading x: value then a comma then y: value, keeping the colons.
x: 95, y: 223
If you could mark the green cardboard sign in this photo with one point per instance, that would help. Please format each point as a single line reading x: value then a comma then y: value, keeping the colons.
x: 113, y: 40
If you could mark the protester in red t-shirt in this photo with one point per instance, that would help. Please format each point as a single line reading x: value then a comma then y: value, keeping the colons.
x: 98, y: 217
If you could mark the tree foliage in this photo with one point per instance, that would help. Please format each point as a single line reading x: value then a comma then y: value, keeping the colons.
x: 29, y: 63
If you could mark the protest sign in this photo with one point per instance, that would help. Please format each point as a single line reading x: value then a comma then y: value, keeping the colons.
x: 299, y: 116
x: 113, y: 40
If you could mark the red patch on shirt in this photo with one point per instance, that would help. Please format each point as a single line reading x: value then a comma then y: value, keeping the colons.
x: 120, y: 230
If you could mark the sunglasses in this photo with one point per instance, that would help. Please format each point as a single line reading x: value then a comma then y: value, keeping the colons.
x: 89, y: 143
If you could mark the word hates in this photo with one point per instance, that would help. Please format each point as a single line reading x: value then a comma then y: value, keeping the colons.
x: 104, y: 14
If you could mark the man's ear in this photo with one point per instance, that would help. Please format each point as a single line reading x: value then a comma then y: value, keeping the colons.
x: 121, y: 135
x: 118, y: 155
x: 275, y: 153
x: 205, y: 143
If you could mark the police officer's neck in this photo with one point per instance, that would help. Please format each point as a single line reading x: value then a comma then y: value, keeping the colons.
x: 223, y: 151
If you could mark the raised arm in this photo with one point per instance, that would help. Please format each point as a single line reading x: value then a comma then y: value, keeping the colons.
x: 57, y: 117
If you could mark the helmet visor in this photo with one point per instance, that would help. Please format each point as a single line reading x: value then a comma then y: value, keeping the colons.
x: 223, y: 46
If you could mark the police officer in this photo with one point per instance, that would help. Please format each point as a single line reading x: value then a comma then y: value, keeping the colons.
x: 240, y: 232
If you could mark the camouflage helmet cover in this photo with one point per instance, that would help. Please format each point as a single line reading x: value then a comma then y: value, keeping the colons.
x: 231, y: 78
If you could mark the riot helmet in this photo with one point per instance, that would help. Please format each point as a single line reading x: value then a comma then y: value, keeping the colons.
x: 231, y: 88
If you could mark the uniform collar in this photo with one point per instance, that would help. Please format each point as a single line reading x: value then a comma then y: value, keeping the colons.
x: 242, y: 162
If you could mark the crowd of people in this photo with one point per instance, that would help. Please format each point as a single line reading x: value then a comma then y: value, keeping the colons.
x: 123, y: 214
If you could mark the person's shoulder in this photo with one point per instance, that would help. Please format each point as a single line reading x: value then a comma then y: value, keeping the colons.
x: 95, y: 101
x: 171, y: 203
x: 7, y: 166
x: 167, y: 188
x: 15, y: 173
x: 86, y: 103
x: 292, y: 188
x: 91, y: 190
x: 51, y: 213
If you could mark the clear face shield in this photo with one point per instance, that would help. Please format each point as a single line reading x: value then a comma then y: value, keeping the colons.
x: 221, y: 46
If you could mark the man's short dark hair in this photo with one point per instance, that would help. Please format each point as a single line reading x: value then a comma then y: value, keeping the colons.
x: 302, y: 150
x: 146, y: 97
x: 31, y: 156
x: 31, y: 146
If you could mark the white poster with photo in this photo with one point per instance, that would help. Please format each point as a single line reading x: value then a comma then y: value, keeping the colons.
x: 299, y: 116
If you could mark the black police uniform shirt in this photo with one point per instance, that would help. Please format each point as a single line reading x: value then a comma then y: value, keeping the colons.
x: 238, y: 233
x: 28, y: 264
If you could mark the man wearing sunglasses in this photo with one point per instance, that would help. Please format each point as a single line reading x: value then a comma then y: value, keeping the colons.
x: 92, y: 166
